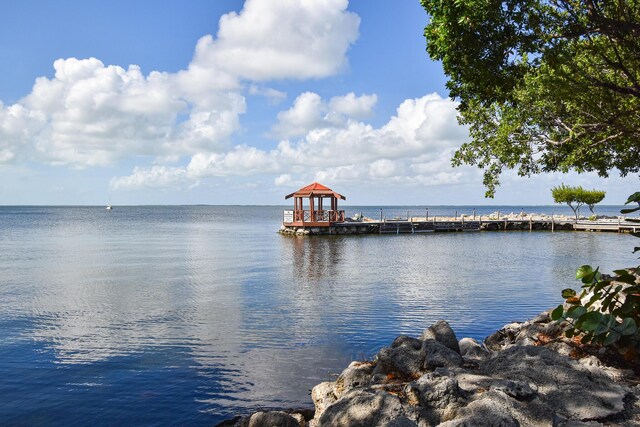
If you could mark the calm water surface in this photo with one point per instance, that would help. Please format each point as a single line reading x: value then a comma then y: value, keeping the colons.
x: 190, y: 315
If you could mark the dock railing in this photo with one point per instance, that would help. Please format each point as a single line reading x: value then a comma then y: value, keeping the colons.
x: 313, y: 216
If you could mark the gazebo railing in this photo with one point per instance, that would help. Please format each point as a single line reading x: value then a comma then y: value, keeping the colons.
x: 318, y: 216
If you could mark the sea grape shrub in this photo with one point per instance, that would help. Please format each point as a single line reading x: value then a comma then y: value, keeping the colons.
x: 634, y: 198
x: 607, y: 311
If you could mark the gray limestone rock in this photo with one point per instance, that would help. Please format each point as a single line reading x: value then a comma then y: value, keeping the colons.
x: 497, y: 340
x: 483, y: 413
x: 404, y: 357
x: 560, y: 347
x: 357, y: 374
x: 544, y: 317
x: 441, y: 332
x: 504, y: 337
x: 272, y: 418
x: 363, y: 408
x: 400, y: 422
x: 593, y: 364
x: 473, y: 382
x: 471, y: 349
x: 515, y: 385
x: 438, y: 355
x: 519, y: 390
x: 438, y: 396
x: 302, y: 422
x: 634, y: 407
x: 564, y: 387
x: 322, y: 396
x: 576, y: 423
x: 404, y: 340
x: 434, y: 390
x: 526, y: 333
x: 550, y: 329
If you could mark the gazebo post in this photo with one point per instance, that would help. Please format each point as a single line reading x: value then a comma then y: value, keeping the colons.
x: 295, y: 208
x: 333, y: 203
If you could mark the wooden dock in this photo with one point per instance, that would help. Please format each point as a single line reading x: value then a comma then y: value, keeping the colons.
x: 399, y: 226
x: 415, y: 226
x: 620, y: 226
x: 409, y: 226
x: 322, y: 216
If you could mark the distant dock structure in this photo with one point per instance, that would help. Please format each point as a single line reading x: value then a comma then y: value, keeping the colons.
x: 320, y: 216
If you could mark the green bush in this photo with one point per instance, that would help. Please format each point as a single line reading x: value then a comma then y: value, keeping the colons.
x: 575, y: 197
x: 607, y: 311
x: 592, y: 198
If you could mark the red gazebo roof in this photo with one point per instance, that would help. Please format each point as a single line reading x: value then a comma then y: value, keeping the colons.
x: 315, y: 189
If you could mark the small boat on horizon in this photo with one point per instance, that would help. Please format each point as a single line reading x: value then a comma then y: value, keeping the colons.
x: 109, y: 207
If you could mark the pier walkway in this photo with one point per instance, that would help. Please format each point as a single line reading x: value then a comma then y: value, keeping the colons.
x: 423, y: 225
x: 315, y: 211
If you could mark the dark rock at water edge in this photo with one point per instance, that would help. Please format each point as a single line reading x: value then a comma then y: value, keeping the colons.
x: 270, y: 418
x: 442, y: 333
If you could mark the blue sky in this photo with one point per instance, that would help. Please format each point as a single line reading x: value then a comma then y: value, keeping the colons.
x: 227, y: 102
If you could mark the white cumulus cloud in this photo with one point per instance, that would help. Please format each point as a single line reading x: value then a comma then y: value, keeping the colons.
x: 305, y: 114
x: 357, y: 107
x: 276, y: 39
x: 414, y: 147
x: 92, y: 114
x: 310, y: 112
x: 19, y: 127
x: 274, y: 95
x: 96, y: 114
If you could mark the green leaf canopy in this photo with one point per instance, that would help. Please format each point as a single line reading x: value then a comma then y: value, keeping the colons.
x: 543, y: 85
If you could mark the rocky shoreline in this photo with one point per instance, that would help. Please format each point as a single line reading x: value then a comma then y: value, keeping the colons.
x: 525, y: 374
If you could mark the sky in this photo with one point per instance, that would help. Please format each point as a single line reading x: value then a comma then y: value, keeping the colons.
x: 232, y: 102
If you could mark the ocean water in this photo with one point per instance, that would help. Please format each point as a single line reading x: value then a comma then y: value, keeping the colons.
x: 189, y: 315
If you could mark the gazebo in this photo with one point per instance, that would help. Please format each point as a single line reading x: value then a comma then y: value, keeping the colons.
x: 315, y: 215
